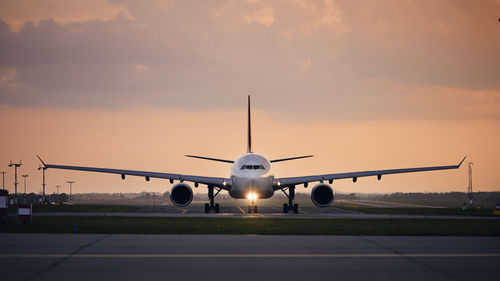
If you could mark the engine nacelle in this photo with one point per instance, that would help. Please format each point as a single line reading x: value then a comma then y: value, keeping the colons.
x: 322, y: 195
x: 181, y: 195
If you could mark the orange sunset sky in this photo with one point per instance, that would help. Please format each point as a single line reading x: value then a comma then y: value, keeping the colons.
x: 362, y: 85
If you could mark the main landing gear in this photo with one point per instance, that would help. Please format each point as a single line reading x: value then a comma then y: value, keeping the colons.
x: 291, y: 195
x: 212, y: 206
x: 252, y: 207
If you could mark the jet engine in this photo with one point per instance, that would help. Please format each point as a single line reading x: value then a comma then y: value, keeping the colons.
x: 181, y: 195
x: 322, y: 195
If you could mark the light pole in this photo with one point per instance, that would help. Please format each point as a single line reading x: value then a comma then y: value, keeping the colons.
x: 3, y: 180
x: 15, y: 165
x: 57, y: 189
x: 70, y: 188
x: 43, y: 183
x: 469, y: 189
x: 24, y: 176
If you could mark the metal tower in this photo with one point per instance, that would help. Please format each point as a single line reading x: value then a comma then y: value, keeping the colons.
x: 24, y: 176
x: 43, y: 183
x: 15, y: 165
x: 3, y: 180
x: 70, y: 189
x: 469, y: 190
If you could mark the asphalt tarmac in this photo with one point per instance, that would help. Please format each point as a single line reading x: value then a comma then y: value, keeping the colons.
x: 231, y: 210
x: 242, y: 257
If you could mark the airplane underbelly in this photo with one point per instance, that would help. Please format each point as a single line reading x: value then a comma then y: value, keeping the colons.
x: 263, y: 186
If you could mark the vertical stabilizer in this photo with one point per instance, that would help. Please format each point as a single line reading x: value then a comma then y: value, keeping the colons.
x: 249, y: 145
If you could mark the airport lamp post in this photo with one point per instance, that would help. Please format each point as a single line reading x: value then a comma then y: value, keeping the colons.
x: 57, y: 189
x: 70, y: 189
x: 15, y: 165
x: 24, y: 176
x: 469, y: 189
x: 3, y: 180
x: 43, y: 182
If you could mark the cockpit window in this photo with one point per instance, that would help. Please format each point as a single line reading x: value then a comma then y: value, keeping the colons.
x: 253, y: 167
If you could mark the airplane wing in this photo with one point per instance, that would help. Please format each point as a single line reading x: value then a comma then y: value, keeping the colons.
x: 290, y: 158
x: 285, y: 182
x: 222, y: 183
x: 211, y: 159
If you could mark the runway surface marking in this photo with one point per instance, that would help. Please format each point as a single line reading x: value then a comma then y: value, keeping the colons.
x: 184, y: 211
x: 241, y: 209
x: 260, y: 215
x: 202, y: 256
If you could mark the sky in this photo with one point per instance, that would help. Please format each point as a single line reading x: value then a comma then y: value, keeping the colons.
x: 362, y: 85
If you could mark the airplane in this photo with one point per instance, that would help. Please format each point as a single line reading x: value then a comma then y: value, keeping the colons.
x: 252, y: 178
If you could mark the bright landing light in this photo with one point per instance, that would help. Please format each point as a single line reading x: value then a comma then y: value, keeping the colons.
x: 252, y: 196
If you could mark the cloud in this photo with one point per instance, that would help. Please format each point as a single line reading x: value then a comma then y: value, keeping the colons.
x: 263, y: 16
x: 307, y: 64
x: 141, y: 67
x: 286, y: 34
x: 7, y: 76
x: 17, y: 12
x: 331, y: 14
x: 219, y: 11
x: 319, y: 15
x: 368, y: 63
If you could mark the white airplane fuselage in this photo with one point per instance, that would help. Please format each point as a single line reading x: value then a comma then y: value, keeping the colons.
x: 251, y: 174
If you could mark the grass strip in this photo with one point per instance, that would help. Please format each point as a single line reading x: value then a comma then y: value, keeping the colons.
x: 263, y: 226
x: 415, y: 211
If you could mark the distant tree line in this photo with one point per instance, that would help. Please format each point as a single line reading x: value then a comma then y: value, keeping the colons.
x: 32, y: 198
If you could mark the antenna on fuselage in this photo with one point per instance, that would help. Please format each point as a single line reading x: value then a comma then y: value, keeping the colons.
x: 249, y: 144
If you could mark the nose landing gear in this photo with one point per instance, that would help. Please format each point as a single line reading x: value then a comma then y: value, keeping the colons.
x: 252, y: 207
x: 212, y: 206
x: 291, y: 195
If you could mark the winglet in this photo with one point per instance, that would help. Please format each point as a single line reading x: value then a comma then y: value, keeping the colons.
x: 43, y: 163
x: 461, y: 161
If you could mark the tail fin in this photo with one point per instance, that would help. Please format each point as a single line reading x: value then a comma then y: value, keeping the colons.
x: 249, y: 144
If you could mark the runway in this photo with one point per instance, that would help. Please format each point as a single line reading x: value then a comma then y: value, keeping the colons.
x: 265, y: 215
x: 243, y: 257
x: 266, y: 211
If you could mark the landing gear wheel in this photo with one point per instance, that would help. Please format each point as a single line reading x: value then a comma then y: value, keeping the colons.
x: 217, y: 207
x: 296, y: 208
x: 285, y: 208
x: 255, y: 209
x: 207, y: 208
x: 249, y: 209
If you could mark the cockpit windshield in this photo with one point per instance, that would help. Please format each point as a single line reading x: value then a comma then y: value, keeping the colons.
x: 253, y: 167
